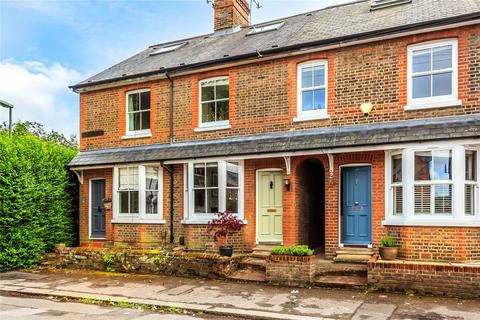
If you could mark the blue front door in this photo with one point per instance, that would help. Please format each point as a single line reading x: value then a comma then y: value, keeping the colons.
x: 356, y: 205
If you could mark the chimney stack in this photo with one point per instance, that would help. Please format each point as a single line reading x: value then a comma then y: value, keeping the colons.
x: 230, y: 13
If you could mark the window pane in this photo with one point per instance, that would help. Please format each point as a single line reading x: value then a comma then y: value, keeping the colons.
x: 423, y: 162
x: 123, y: 197
x: 151, y: 199
x: 470, y: 165
x: 421, y: 60
x: 232, y: 200
x: 319, y: 99
x: 442, y: 84
x: 145, y: 100
x: 421, y: 86
x: 442, y: 165
x: 232, y: 174
x: 208, y: 112
x: 319, y: 76
x: 198, y: 175
x: 133, y: 201
x: 397, y: 200
x: 199, y: 201
x: 128, y: 178
x: 423, y: 199
x: 207, y: 92
x: 307, y: 77
x: 145, y: 119
x: 222, y: 110
x: 131, y: 122
x: 212, y: 200
x: 222, y: 91
x: 212, y: 175
x: 397, y: 168
x: 442, y: 58
x: 151, y: 178
x: 443, y: 199
x: 133, y: 104
x: 221, y: 82
x: 307, y: 100
x: 469, y: 200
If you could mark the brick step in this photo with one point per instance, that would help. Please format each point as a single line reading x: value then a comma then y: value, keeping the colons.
x: 253, y: 263
x: 347, y: 282
x: 263, y: 250
x: 248, y: 275
x: 341, y: 269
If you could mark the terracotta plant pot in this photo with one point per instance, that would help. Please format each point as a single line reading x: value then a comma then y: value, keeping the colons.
x: 226, y: 251
x: 388, y: 253
x: 107, y: 205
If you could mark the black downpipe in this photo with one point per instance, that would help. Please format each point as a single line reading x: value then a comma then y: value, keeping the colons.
x: 171, y: 171
x: 171, y: 106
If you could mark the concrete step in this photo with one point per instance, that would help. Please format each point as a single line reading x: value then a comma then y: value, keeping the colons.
x: 253, y: 263
x: 348, y: 282
x: 341, y: 269
x: 352, y: 258
x: 262, y: 250
x: 248, y: 275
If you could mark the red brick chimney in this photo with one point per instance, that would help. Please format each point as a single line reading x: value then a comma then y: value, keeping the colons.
x: 229, y: 13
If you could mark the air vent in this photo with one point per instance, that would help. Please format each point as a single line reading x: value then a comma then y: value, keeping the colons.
x: 167, y: 48
x: 265, y: 28
x: 381, y: 4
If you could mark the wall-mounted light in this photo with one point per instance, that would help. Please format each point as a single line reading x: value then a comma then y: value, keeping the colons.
x: 366, y: 108
x: 286, y: 182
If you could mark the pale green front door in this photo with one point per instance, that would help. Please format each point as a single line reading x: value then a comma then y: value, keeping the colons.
x: 270, y: 207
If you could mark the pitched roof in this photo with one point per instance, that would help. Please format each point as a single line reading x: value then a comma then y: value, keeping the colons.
x: 455, y: 127
x: 334, y: 24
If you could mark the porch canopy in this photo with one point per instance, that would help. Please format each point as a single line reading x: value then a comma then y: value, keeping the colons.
x: 323, y: 140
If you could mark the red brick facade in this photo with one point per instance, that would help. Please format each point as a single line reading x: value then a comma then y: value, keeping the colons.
x: 262, y: 100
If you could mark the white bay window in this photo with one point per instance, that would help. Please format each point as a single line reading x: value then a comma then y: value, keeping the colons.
x: 212, y: 187
x: 432, y: 186
x: 137, y: 194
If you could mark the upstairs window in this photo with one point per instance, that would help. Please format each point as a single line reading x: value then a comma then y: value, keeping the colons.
x: 312, y: 90
x: 214, y: 102
x: 138, y: 112
x: 432, y: 74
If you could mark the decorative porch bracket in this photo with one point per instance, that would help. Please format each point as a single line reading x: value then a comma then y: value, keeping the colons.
x: 288, y: 164
x: 79, y: 174
x: 330, y: 164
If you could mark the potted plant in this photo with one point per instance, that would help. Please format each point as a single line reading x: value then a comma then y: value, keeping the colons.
x: 225, y: 224
x: 389, y: 250
x: 107, y: 203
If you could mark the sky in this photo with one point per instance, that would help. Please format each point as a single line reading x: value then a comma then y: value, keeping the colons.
x: 45, y: 46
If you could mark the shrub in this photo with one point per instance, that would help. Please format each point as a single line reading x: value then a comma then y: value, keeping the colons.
x: 298, y: 250
x: 37, y: 199
x: 389, y: 242
x: 225, y: 224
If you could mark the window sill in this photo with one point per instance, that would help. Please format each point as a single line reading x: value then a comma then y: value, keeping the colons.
x: 202, y: 222
x: 450, y: 222
x: 433, y: 105
x: 137, y: 221
x: 212, y: 128
x: 137, y: 135
x: 311, y: 117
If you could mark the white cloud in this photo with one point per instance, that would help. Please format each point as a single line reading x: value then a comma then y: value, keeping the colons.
x: 39, y: 91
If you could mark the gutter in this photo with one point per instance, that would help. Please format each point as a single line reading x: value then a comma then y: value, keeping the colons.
x: 344, y: 40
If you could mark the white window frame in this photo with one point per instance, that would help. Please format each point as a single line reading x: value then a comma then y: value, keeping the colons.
x: 438, y: 101
x: 214, y: 125
x: 137, y: 133
x: 312, y: 114
x: 190, y: 217
x: 142, y: 216
x: 390, y: 193
x: 409, y: 218
x: 475, y: 184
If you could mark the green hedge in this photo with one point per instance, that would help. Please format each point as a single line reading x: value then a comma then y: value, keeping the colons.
x: 298, y: 250
x: 38, y: 199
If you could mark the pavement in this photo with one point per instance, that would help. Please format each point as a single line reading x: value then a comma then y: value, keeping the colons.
x: 233, y: 299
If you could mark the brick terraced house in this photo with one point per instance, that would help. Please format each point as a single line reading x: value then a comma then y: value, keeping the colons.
x: 332, y: 128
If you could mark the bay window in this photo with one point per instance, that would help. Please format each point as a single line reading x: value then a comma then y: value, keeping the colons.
x: 433, y: 186
x: 137, y: 195
x: 212, y: 187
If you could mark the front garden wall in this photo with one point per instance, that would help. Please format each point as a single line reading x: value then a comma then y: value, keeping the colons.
x: 290, y: 270
x: 444, y: 279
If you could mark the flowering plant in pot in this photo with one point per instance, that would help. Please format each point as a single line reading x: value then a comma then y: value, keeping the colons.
x: 225, y: 224
x: 388, y: 250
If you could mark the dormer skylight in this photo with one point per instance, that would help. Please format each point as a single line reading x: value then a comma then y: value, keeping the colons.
x: 381, y: 4
x: 167, y: 48
x: 265, y: 28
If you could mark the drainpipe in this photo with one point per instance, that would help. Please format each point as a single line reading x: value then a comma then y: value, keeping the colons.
x: 171, y: 106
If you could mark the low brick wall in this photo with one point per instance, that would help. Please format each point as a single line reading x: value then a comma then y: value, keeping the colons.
x: 435, y: 278
x: 147, y: 262
x: 290, y: 270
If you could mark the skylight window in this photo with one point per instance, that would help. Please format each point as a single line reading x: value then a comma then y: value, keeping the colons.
x: 167, y: 48
x: 265, y: 28
x: 380, y: 4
